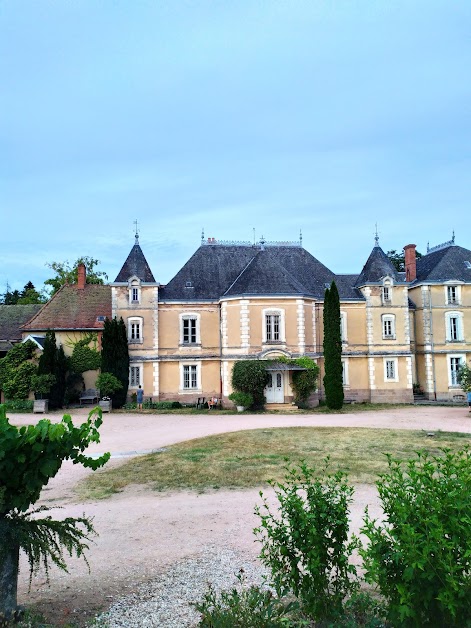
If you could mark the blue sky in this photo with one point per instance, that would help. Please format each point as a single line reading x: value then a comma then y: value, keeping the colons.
x: 326, y: 116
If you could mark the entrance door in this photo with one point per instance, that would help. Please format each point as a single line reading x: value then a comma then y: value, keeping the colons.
x: 274, y: 391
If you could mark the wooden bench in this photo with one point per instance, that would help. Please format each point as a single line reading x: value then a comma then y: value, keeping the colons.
x: 90, y: 396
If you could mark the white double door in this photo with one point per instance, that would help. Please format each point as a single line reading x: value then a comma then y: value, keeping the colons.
x: 274, y: 391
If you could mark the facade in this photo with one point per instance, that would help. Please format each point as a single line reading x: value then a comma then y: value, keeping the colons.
x: 234, y: 301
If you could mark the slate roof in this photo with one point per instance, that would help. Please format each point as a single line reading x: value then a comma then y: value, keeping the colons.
x: 12, y: 317
x: 377, y: 266
x: 72, y: 308
x: 217, y: 270
x: 135, y: 265
x: 444, y: 265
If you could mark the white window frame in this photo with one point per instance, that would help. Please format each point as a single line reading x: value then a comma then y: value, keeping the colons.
x: 451, y: 377
x: 197, y: 366
x: 139, y: 368
x: 388, y: 320
x: 453, y: 300
x: 452, y: 329
x: 395, y: 368
x: 185, y: 317
x: 343, y: 327
x: 281, y: 325
x: 134, y: 285
x: 345, y: 374
x: 139, y: 338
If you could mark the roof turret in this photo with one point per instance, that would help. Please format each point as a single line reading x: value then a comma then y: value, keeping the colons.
x: 136, y: 266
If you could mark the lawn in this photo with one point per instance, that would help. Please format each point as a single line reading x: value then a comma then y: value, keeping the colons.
x: 250, y: 458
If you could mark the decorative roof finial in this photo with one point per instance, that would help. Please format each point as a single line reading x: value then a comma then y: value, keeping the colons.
x: 300, y: 237
x: 262, y: 243
x: 453, y: 237
x: 202, y: 235
x: 376, y: 235
x: 136, y: 235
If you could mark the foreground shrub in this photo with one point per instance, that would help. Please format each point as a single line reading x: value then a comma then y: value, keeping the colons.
x: 305, y: 544
x: 245, y: 607
x: 420, y: 555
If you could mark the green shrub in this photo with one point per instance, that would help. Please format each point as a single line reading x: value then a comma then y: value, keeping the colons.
x: 19, y: 405
x: 333, y: 378
x: 107, y: 384
x: 305, y: 544
x: 250, y: 376
x: 419, y: 556
x: 464, y: 378
x: 18, y: 386
x: 245, y: 607
x: 241, y: 399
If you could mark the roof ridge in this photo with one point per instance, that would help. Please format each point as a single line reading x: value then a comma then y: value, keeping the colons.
x: 241, y: 273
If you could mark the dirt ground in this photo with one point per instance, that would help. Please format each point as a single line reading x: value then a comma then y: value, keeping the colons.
x: 142, y: 532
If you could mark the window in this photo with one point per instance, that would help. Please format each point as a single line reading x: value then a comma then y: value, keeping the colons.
x: 272, y: 322
x: 135, y: 376
x: 390, y: 370
x: 454, y: 326
x: 386, y: 294
x: 454, y: 364
x: 343, y: 326
x: 134, y: 291
x: 189, y: 329
x: 345, y: 380
x: 389, y: 326
x: 273, y: 325
x: 135, y: 330
x: 452, y: 295
x: 190, y: 377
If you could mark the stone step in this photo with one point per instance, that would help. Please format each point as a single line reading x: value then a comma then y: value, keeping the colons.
x: 281, y: 407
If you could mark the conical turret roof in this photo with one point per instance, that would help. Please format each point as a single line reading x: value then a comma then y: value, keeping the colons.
x: 135, y: 266
x: 377, y: 266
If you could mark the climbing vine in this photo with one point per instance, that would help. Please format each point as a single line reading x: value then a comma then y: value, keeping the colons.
x: 303, y: 383
x: 85, y: 357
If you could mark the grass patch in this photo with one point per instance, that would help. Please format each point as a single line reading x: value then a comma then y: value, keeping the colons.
x: 249, y: 458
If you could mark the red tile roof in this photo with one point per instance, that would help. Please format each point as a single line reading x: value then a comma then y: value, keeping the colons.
x: 73, y: 308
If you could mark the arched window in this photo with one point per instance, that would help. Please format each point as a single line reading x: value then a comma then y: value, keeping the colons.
x: 134, y: 291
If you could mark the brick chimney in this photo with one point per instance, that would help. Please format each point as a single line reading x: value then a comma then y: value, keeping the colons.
x: 81, y: 276
x: 410, y: 262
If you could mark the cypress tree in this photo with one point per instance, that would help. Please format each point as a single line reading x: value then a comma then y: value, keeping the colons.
x: 333, y: 384
x: 54, y: 362
x: 115, y: 357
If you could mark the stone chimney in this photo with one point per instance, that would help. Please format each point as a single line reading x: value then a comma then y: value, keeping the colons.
x: 81, y: 276
x: 410, y: 262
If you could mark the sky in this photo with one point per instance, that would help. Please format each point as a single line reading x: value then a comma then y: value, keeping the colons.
x: 236, y: 117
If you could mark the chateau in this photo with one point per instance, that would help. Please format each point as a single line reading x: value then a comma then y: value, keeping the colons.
x: 238, y: 301
x: 401, y: 331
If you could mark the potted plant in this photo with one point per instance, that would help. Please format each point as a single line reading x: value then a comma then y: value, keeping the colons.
x: 41, y: 385
x: 241, y: 399
x: 107, y: 384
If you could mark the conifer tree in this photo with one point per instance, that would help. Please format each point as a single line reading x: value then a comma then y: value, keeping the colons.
x: 54, y: 362
x: 333, y: 381
x: 115, y: 357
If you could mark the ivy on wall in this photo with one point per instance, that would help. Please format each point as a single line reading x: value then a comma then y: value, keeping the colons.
x: 85, y: 357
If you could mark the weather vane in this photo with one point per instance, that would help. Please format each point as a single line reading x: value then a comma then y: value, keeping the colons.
x: 376, y: 235
x: 136, y: 235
